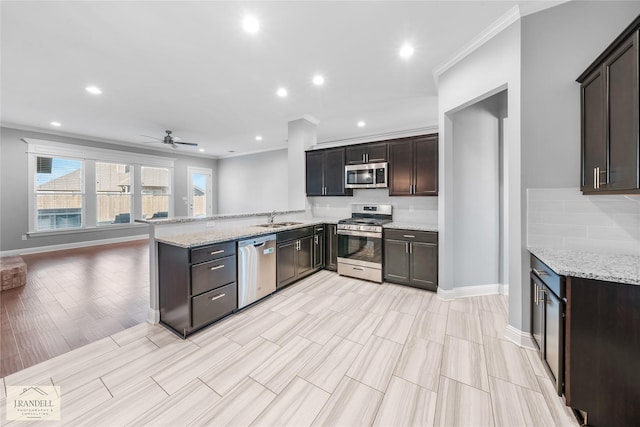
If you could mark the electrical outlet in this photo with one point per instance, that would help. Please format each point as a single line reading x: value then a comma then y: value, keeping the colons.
x: 210, y: 224
x: 24, y: 237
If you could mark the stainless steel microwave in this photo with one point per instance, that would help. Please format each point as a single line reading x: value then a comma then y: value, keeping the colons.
x: 368, y: 175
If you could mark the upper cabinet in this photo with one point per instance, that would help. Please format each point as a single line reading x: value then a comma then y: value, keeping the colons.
x: 367, y: 153
x: 325, y: 173
x: 609, y: 113
x: 413, y: 166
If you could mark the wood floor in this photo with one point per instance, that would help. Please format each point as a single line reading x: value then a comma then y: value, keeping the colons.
x: 72, y: 298
x: 327, y: 351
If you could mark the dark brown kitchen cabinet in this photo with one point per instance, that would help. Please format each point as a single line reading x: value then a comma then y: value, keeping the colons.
x: 413, y: 166
x: 602, y: 345
x: 609, y: 101
x: 294, y: 255
x: 325, y: 173
x: 318, y: 247
x: 411, y: 258
x: 196, y: 286
x: 331, y: 247
x: 366, y: 153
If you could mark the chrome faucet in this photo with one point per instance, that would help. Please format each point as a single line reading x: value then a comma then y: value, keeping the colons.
x: 272, y: 215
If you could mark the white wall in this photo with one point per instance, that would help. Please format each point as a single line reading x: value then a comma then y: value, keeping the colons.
x: 565, y: 219
x: 422, y: 210
x: 476, y: 195
x: 490, y: 69
x: 253, y: 183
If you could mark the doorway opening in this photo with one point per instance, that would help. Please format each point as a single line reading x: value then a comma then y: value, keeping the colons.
x: 200, y: 192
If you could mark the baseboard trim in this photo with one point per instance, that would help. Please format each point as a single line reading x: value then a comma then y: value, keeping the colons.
x: 473, y: 291
x: 87, y: 243
x: 153, y: 316
x: 516, y: 336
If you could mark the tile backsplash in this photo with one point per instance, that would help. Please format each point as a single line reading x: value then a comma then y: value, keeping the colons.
x: 563, y: 218
x: 421, y: 210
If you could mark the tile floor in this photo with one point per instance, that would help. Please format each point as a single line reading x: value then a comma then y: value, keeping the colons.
x: 328, y: 350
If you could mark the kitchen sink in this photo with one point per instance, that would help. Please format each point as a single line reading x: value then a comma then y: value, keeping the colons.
x: 279, y: 224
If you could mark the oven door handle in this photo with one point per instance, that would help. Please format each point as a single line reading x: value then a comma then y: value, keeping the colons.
x: 360, y: 233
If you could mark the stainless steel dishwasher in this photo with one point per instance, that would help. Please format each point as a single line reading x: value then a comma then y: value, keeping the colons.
x: 256, y: 269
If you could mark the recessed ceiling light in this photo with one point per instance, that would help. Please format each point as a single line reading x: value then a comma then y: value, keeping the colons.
x: 201, y: 150
x: 282, y: 92
x: 361, y: 124
x: 258, y: 138
x: 318, y: 80
x: 406, y: 51
x: 95, y: 90
x: 56, y: 124
x: 250, y: 24
x: 232, y: 151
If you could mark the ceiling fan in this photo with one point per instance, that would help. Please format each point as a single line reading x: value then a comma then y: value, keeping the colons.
x: 168, y: 139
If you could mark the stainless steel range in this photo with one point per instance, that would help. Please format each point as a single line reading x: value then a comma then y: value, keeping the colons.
x: 360, y: 241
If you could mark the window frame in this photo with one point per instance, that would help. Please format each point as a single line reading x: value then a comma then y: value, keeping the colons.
x: 90, y: 156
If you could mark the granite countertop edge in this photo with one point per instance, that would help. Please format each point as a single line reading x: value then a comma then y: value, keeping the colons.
x: 185, y: 219
x: 619, y: 268
x: 411, y: 226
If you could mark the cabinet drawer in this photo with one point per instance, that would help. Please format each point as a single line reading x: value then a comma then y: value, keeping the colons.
x: 212, y: 274
x: 213, y: 305
x: 207, y: 253
x: 411, y: 236
x: 548, y: 276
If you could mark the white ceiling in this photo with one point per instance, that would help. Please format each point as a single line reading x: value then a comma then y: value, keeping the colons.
x: 191, y: 68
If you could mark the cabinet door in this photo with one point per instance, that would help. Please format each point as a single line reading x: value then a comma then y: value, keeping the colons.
x: 377, y: 153
x: 334, y: 172
x: 396, y: 261
x: 593, y: 129
x: 305, y: 257
x: 553, y: 335
x: 537, y: 314
x: 331, y: 243
x: 401, y: 168
x: 355, y: 155
x: 423, y: 266
x: 315, y: 173
x: 426, y: 166
x: 621, y: 71
x: 286, y: 263
x: 318, y: 250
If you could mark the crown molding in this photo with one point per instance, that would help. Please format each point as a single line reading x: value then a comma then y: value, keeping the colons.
x: 499, y: 25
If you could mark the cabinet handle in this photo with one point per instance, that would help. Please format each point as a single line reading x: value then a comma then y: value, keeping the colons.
x: 406, y: 247
x: 543, y: 300
x: 367, y: 158
x: 408, y: 236
x: 315, y: 239
x: 217, y: 267
x: 217, y: 297
x: 595, y: 178
x: 335, y: 231
x: 217, y: 252
x: 319, y: 229
x: 410, y: 248
x: 540, y: 273
x: 535, y: 293
x: 358, y: 268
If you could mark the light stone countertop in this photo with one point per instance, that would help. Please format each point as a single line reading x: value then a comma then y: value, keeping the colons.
x: 186, y: 219
x: 591, y: 265
x: 217, y: 235
x: 412, y: 226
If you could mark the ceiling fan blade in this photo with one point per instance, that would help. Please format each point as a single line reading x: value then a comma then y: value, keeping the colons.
x: 191, y: 144
x: 152, y: 137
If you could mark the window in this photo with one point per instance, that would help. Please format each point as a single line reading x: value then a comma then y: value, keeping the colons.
x: 156, y: 190
x: 59, y: 193
x: 113, y: 190
x: 76, y: 188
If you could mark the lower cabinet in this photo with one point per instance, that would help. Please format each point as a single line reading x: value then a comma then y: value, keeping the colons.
x: 331, y: 247
x: 411, y: 258
x: 602, y: 345
x: 318, y: 247
x: 197, y: 286
x: 295, y: 255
